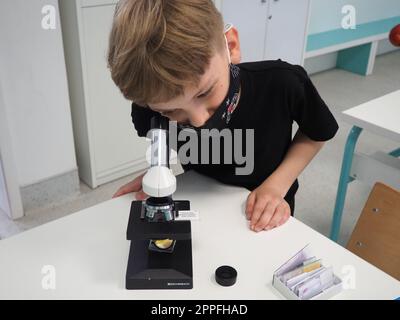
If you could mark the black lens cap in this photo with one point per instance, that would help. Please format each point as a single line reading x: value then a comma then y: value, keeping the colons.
x: 226, y: 276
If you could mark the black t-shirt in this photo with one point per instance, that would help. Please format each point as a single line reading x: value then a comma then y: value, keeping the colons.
x: 273, y: 95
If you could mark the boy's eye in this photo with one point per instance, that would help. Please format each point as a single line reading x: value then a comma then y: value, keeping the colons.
x: 205, y: 94
x: 169, y: 112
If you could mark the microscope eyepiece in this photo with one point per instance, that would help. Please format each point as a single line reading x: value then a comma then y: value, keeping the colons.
x: 159, y: 122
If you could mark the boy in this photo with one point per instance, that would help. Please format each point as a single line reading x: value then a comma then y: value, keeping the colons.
x: 173, y: 57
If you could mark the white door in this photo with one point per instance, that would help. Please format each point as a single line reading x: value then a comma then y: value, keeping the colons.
x: 4, y: 202
x: 287, y: 30
x: 10, y: 196
x: 250, y: 18
x: 116, y: 144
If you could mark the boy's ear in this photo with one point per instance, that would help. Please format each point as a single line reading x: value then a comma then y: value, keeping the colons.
x: 234, y: 45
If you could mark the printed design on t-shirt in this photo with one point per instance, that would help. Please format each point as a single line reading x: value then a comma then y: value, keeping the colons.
x: 231, y: 104
x: 235, y: 71
x: 233, y: 101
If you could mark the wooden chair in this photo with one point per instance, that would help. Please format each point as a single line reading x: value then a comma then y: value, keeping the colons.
x: 376, y: 237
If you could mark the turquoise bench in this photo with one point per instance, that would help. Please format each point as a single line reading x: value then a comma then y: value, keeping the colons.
x: 356, y: 47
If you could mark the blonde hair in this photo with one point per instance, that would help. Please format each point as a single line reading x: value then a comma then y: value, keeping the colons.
x: 157, y: 47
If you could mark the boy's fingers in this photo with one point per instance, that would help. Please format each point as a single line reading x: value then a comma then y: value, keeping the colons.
x: 259, y: 207
x: 266, y: 216
x: 132, y: 186
x: 250, y: 205
x: 285, y: 217
x: 121, y: 191
x: 279, y: 214
x: 284, y: 220
x: 116, y: 195
x: 140, y: 195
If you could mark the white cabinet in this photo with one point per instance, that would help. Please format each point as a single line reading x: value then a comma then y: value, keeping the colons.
x: 250, y: 18
x: 269, y: 29
x: 107, y: 146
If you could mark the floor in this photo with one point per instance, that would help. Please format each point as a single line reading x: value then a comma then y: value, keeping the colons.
x: 315, y: 199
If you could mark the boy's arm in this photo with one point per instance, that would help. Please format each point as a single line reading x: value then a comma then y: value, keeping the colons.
x: 266, y: 207
x: 299, y: 155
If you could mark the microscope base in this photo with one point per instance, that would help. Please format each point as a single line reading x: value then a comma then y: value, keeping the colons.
x: 149, y: 269
x: 157, y: 270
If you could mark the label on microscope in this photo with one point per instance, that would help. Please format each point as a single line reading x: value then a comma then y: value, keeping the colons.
x: 188, y: 215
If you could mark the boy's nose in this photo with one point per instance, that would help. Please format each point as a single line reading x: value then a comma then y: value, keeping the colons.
x: 198, y: 119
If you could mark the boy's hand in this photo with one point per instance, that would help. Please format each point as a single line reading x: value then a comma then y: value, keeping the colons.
x: 133, y: 186
x: 266, y: 209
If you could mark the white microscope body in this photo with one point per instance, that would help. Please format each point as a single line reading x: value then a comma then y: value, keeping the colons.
x: 159, y: 180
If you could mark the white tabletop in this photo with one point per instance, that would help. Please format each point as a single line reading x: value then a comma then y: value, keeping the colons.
x: 89, y: 252
x: 380, y: 116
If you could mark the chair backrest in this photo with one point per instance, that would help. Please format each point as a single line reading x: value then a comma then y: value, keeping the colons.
x: 376, y: 237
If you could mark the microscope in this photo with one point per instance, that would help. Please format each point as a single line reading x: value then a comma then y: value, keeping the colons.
x: 160, y: 255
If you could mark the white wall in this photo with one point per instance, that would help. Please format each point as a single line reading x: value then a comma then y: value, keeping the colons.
x: 35, y: 92
x: 327, y: 15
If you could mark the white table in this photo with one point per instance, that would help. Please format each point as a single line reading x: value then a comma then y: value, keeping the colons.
x: 89, y: 252
x: 380, y: 116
